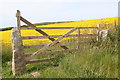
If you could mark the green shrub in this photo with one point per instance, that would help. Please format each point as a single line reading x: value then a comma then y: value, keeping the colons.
x: 5, y: 29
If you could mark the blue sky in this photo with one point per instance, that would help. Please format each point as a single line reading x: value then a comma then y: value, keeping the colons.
x: 56, y: 10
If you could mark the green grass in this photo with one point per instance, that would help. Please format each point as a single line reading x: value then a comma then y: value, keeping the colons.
x: 88, y: 62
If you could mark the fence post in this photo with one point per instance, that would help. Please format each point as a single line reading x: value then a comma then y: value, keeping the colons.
x: 18, y: 19
x: 115, y: 25
x: 98, y: 32
x: 18, y: 58
x: 78, y: 46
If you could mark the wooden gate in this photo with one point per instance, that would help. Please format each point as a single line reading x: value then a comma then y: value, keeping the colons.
x: 20, y: 59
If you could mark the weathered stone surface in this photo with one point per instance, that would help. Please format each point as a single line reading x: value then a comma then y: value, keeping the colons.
x: 18, y: 59
x: 103, y: 34
x: 35, y: 74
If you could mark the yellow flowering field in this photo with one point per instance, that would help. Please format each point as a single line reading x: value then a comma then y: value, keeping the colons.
x: 6, y: 35
x: 86, y: 23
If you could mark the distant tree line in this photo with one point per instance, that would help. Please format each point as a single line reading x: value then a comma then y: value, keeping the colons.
x: 5, y: 29
x: 37, y: 24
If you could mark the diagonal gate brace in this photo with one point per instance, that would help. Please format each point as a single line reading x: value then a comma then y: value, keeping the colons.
x: 50, y: 44
x: 39, y: 30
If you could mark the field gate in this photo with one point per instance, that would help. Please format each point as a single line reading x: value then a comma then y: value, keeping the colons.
x: 20, y: 59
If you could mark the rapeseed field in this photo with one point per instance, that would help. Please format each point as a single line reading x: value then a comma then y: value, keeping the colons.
x: 106, y: 23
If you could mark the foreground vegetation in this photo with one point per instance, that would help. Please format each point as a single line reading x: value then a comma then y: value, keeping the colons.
x: 95, y: 60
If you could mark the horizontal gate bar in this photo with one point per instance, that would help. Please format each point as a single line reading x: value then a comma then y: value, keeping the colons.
x: 40, y: 60
x: 34, y: 46
x: 42, y: 37
x: 24, y: 28
x: 55, y: 36
x: 53, y: 52
x: 58, y: 44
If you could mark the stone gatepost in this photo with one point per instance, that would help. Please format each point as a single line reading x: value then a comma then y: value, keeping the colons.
x: 104, y: 34
x: 18, y: 59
